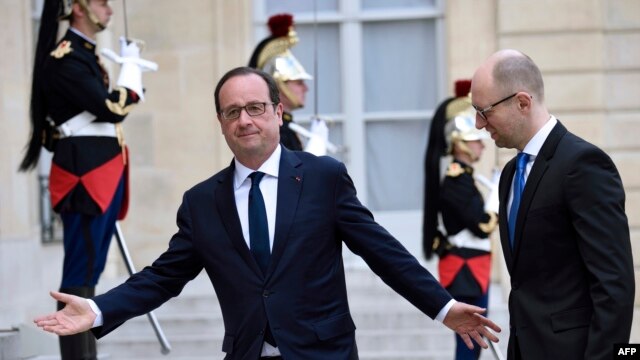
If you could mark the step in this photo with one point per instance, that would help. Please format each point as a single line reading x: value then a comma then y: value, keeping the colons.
x: 9, y: 344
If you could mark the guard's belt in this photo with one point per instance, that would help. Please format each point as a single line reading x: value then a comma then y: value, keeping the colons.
x: 467, y: 239
x: 83, y: 125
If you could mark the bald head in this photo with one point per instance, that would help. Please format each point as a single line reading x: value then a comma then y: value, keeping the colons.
x: 512, y: 71
x: 508, y: 94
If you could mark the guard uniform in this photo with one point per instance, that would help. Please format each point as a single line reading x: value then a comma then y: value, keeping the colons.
x: 288, y: 137
x: 76, y: 115
x: 456, y: 224
x: 88, y: 180
x: 465, y: 269
x: 272, y: 55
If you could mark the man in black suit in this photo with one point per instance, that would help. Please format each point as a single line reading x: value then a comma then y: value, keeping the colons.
x: 563, y: 227
x: 284, y: 297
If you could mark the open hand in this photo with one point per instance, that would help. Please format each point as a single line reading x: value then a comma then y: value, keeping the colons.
x: 466, y: 320
x: 76, y: 317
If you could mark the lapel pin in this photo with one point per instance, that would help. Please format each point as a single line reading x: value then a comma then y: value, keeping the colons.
x: 298, y: 178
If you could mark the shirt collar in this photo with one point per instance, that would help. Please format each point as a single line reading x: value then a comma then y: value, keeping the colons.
x: 270, y: 167
x: 85, y: 37
x: 535, y: 144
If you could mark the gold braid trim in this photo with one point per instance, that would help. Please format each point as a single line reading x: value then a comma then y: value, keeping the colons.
x: 119, y: 108
x: 121, y: 142
x: 489, y: 225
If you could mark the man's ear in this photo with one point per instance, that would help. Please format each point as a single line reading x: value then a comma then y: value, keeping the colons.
x: 524, y: 101
x: 76, y: 10
x: 279, y: 111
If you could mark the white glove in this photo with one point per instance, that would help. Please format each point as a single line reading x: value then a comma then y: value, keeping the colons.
x: 130, y: 72
x: 129, y: 50
x: 493, y: 202
x: 319, y: 138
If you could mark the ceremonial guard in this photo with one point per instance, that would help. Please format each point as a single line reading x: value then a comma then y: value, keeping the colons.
x: 76, y: 115
x: 272, y: 55
x: 457, y: 221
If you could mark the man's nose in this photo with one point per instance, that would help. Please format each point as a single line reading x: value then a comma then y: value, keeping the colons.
x: 244, y: 118
x: 480, y: 122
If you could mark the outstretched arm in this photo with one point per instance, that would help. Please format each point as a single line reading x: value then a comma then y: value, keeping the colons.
x: 466, y: 320
x: 76, y: 317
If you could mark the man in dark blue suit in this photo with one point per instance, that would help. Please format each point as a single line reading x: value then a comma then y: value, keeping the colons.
x: 285, y: 297
x: 563, y: 227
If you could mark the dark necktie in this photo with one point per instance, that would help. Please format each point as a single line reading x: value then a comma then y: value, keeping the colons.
x: 259, y: 234
x: 258, y: 227
x: 518, y: 187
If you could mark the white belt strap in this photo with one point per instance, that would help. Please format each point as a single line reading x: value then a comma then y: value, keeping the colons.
x: 83, y: 125
x: 467, y: 239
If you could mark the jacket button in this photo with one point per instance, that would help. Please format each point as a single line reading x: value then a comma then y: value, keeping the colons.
x: 266, y: 293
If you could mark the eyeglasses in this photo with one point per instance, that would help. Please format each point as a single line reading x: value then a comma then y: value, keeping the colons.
x: 482, y: 112
x: 253, y: 109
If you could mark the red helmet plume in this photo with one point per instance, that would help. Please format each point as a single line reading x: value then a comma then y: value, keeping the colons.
x: 280, y: 24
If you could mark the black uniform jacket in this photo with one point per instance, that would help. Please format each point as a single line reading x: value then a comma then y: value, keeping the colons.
x: 288, y: 137
x: 86, y: 169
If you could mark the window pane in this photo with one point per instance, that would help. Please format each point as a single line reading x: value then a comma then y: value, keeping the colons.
x: 299, y: 6
x: 328, y: 77
x: 399, y: 65
x: 395, y: 153
x: 398, y: 4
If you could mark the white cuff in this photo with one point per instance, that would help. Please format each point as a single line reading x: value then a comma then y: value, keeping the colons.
x: 98, y: 321
x: 441, y: 315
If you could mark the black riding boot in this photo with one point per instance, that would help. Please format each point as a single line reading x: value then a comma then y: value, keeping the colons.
x: 79, y: 346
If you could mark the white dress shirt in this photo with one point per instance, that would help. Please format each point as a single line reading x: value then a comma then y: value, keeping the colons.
x: 533, y: 148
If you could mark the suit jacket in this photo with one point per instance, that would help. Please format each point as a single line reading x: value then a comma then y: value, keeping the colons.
x: 303, y: 293
x: 572, y: 277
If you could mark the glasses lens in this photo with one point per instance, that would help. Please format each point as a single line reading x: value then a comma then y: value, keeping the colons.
x: 232, y: 113
x: 255, y: 109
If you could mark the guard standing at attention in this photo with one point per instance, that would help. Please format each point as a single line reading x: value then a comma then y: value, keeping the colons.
x: 457, y: 221
x: 77, y: 115
x: 272, y: 55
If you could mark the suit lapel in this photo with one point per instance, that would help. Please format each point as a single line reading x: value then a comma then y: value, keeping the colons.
x: 289, y: 187
x: 226, y: 204
x: 540, y: 166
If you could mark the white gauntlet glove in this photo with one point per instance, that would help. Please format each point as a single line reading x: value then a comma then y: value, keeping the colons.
x: 130, y: 73
x: 132, y: 66
x: 317, y: 143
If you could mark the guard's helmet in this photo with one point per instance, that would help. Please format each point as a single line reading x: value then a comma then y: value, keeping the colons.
x: 460, y: 119
x: 66, y: 8
x: 272, y: 55
x: 64, y: 12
